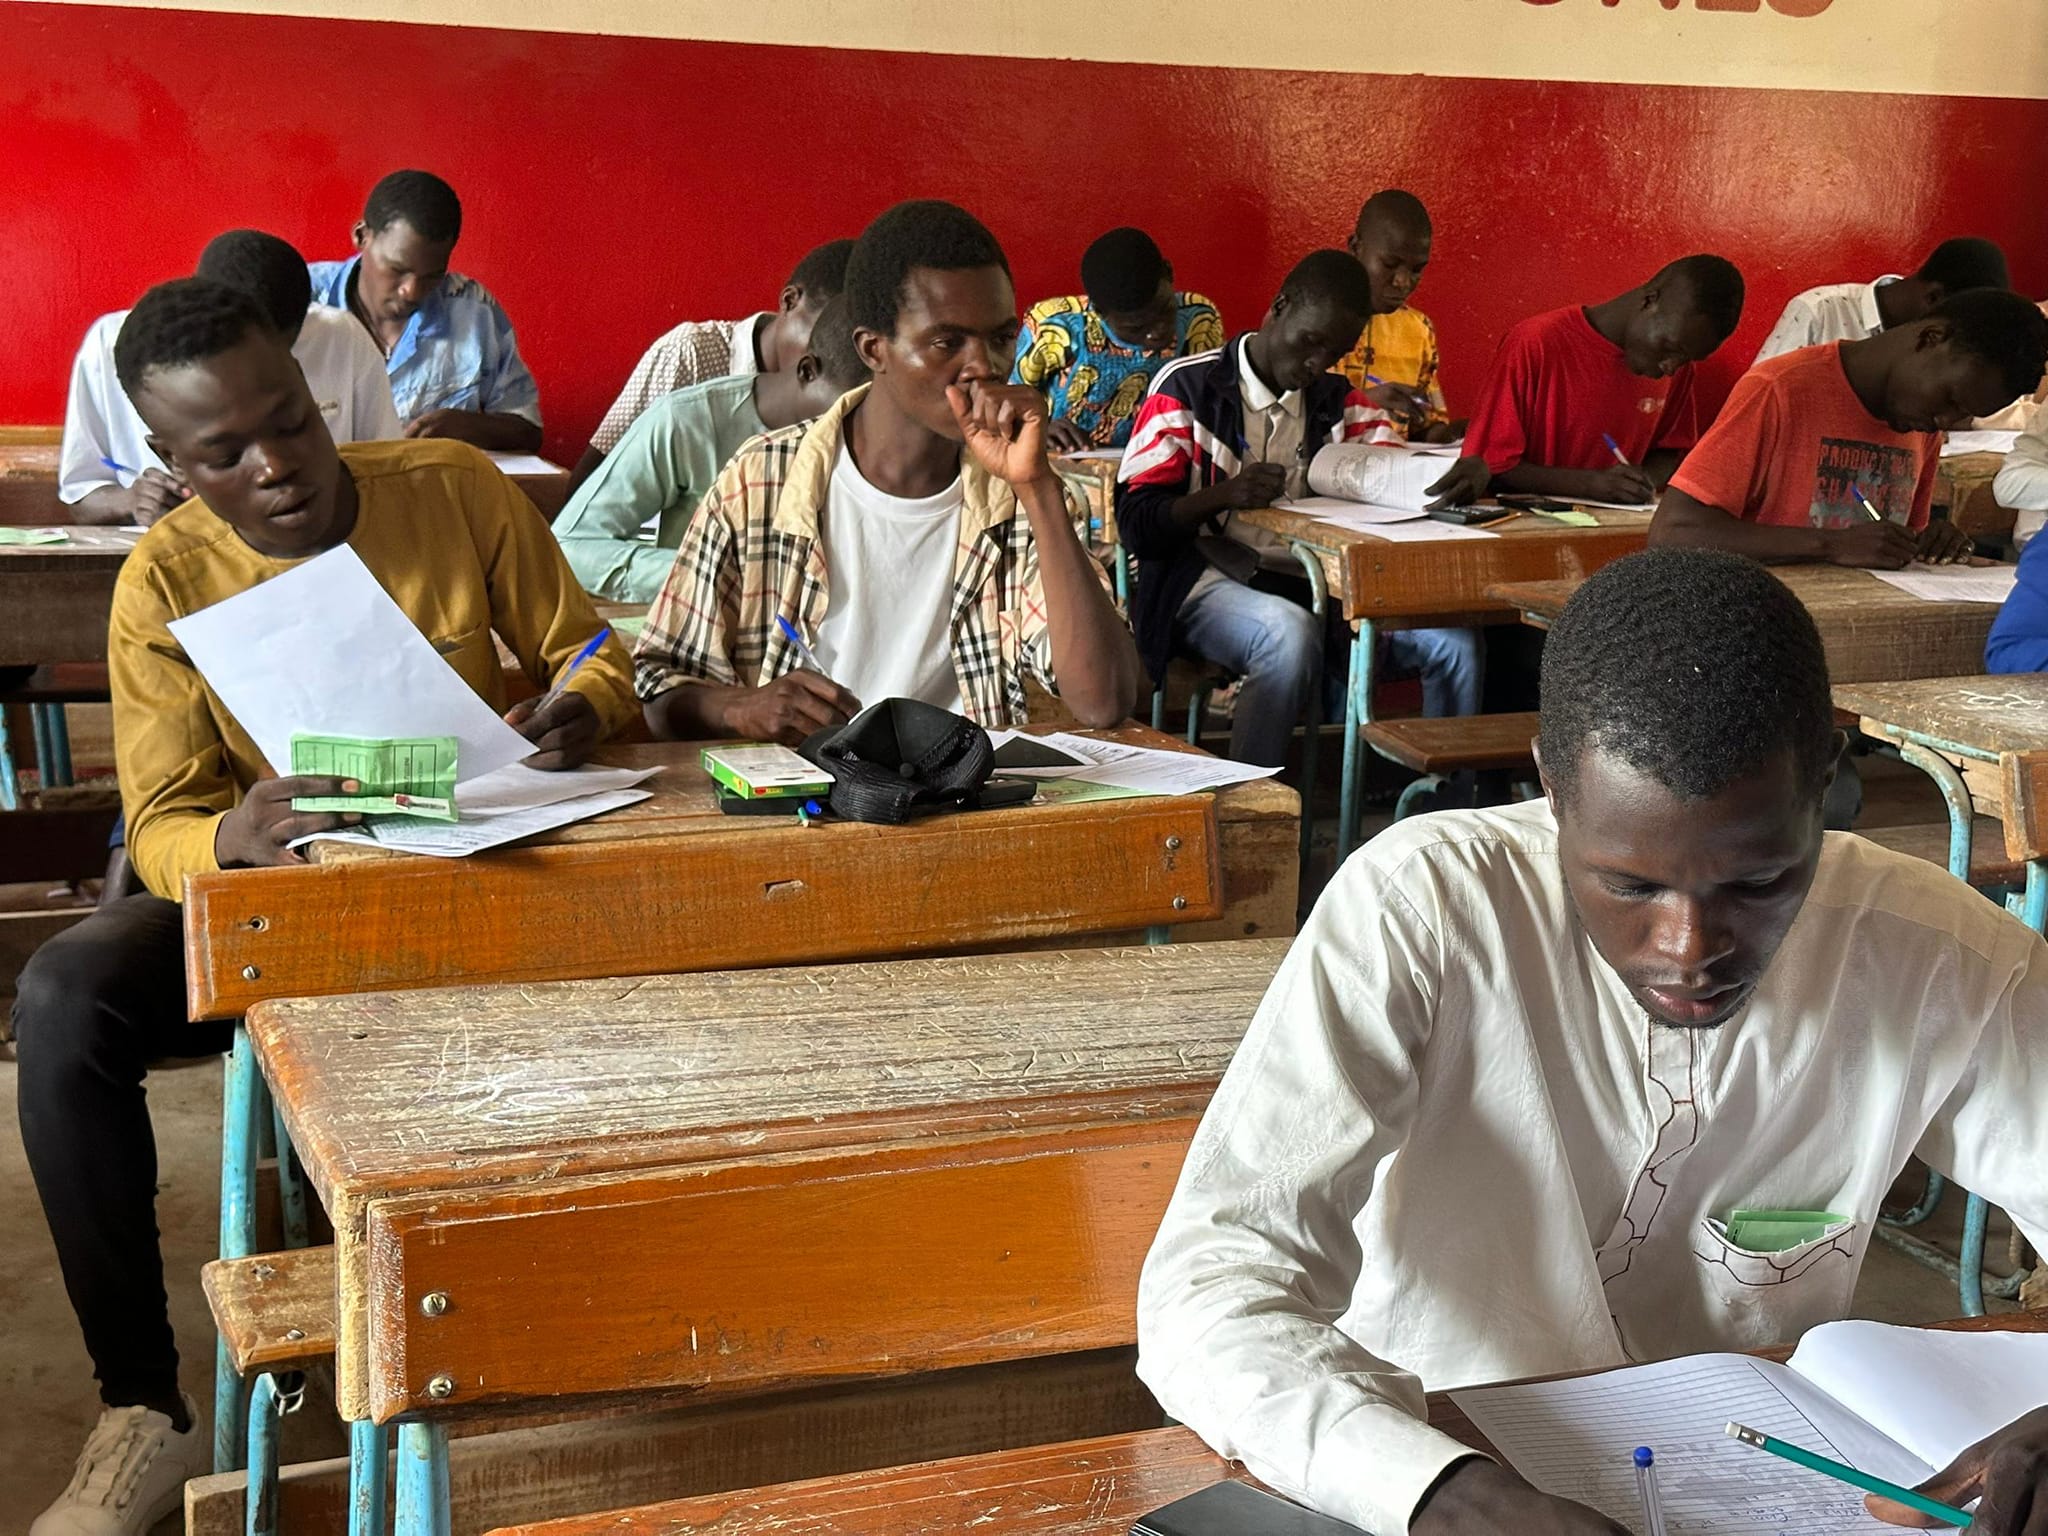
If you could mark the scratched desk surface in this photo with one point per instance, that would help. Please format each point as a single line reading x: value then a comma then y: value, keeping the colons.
x: 1997, y: 714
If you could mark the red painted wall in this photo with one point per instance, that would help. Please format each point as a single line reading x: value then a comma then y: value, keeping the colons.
x: 615, y: 185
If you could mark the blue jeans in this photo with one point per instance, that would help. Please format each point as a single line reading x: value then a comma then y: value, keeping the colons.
x: 1272, y: 642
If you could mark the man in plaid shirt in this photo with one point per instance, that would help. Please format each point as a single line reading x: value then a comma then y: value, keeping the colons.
x: 915, y: 536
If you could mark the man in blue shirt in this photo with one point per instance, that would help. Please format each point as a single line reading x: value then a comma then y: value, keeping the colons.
x: 454, y: 362
x: 2019, y: 638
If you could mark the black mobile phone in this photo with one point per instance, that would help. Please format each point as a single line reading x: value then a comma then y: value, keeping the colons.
x: 765, y: 805
x: 1467, y: 517
x: 1238, y: 1509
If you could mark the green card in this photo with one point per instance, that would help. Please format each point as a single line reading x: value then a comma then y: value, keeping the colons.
x: 34, y: 536
x: 1574, y: 519
x: 1775, y: 1231
x: 400, y: 775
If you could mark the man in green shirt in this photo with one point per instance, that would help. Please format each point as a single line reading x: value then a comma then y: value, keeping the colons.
x: 671, y: 454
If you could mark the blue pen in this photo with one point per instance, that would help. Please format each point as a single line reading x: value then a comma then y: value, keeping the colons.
x: 562, y: 679
x: 1646, y: 1488
x: 1413, y: 394
x: 1863, y: 501
x: 119, y: 468
x: 796, y: 643
x: 1615, y: 448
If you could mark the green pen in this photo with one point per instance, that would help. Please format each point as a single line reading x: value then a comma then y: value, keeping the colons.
x: 1850, y: 1475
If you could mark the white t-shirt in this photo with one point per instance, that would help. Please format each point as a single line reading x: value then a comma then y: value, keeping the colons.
x: 889, y: 565
x: 342, y: 365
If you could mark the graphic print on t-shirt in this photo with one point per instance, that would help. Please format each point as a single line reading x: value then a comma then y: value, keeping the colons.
x: 1887, y: 475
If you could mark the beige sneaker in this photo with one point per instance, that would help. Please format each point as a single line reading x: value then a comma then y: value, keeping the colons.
x: 130, y: 1475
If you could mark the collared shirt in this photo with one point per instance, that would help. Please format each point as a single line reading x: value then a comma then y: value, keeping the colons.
x: 1831, y: 312
x: 456, y: 353
x: 1090, y: 375
x: 1399, y: 349
x: 455, y: 544
x: 1452, y: 1149
x: 660, y: 469
x: 752, y: 553
x: 343, y: 369
x: 694, y: 351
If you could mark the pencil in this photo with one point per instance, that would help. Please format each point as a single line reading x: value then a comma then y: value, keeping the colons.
x: 1849, y: 1475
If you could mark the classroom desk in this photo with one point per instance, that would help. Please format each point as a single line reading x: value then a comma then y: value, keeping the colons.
x: 1084, y: 1488
x: 745, y: 1180
x: 1872, y: 630
x: 1984, y: 742
x: 1963, y: 485
x: 28, y: 481
x: 1382, y: 584
x: 671, y: 884
x: 54, y: 598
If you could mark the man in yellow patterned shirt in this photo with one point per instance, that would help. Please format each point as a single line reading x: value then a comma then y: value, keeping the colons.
x: 1395, y: 361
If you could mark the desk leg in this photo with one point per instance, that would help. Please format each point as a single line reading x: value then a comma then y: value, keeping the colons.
x: 1357, y: 712
x: 422, y: 1480
x: 1961, y: 810
x: 241, y: 1128
x: 2034, y: 904
x: 291, y: 1185
x: 53, y: 744
x: 270, y: 1398
x: 366, y: 1493
x: 10, y: 786
x: 1311, y: 742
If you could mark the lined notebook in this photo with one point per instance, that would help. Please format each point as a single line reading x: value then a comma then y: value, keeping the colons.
x: 1897, y: 1402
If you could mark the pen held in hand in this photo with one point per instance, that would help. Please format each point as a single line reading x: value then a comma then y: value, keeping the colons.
x: 1864, y: 503
x: 1615, y: 448
x: 1421, y: 401
x: 562, y: 678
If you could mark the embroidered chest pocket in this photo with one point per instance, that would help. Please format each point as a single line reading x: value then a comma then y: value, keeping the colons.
x: 1768, y: 1293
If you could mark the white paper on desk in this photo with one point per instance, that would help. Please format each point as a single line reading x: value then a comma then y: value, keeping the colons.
x: 324, y: 649
x: 1147, y: 770
x: 473, y: 834
x: 1346, y: 514
x: 1960, y: 443
x: 1093, y: 456
x: 514, y: 790
x: 1423, y: 532
x: 1953, y: 583
x: 525, y: 464
x: 1574, y: 1438
x: 1607, y: 506
x: 1377, y: 474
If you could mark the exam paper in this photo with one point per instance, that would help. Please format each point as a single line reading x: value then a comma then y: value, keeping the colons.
x: 1422, y: 532
x: 323, y: 649
x: 1141, y: 770
x: 1346, y: 514
x: 1574, y: 1438
x: 1960, y: 443
x: 1379, y: 475
x: 1953, y: 583
x: 515, y: 790
x: 473, y: 834
x: 525, y: 464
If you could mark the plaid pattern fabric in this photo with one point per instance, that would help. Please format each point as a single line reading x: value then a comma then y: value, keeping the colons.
x: 1401, y: 349
x: 694, y: 351
x: 752, y: 554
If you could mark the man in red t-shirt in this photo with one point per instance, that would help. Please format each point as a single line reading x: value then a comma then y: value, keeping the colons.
x: 1809, y: 437
x: 1564, y: 382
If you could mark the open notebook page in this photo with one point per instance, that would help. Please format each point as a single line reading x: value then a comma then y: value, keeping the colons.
x: 1934, y: 1391
x: 1573, y: 1438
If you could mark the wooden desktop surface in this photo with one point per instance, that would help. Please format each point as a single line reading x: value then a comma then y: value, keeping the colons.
x: 1435, y: 581
x: 1872, y: 630
x: 1084, y: 1488
x: 55, y: 598
x: 702, y: 1180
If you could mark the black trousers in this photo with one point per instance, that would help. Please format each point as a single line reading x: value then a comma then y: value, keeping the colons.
x: 94, y: 1007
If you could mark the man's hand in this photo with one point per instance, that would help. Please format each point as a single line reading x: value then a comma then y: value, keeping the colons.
x: 1627, y: 483
x: 1404, y: 405
x: 794, y: 706
x: 565, y: 729
x: 256, y: 831
x: 1062, y: 436
x: 1482, y: 1498
x: 152, y: 495
x: 1256, y: 485
x: 1881, y: 546
x: 1466, y: 482
x: 1004, y: 426
x: 2007, y: 1471
x: 467, y: 426
x: 1943, y: 543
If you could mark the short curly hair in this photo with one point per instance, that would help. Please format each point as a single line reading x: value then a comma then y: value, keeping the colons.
x: 924, y: 233
x: 180, y: 322
x: 1122, y: 270
x: 419, y: 198
x: 266, y: 268
x: 2007, y: 331
x: 1330, y: 278
x: 1693, y: 666
x: 839, y: 360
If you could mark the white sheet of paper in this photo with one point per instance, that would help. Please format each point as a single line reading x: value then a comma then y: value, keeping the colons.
x: 1960, y: 443
x: 526, y: 464
x: 473, y: 834
x: 1953, y: 583
x: 1936, y: 1393
x: 1574, y: 1438
x: 1422, y: 532
x: 1607, y: 506
x: 518, y: 789
x: 323, y: 648
x: 1144, y: 769
x: 1094, y: 456
x: 1346, y: 514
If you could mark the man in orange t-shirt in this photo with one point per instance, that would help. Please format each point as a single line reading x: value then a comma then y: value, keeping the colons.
x: 1829, y: 453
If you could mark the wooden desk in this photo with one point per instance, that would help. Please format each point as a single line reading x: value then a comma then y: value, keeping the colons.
x: 28, y: 478
x: 1984, y: 741
x: 55, y: 598
x: 1872, y: 630
x: 1963, y: 485
x: 671, y: 884
x: 1084, y: 1488
x: 1379, y: 583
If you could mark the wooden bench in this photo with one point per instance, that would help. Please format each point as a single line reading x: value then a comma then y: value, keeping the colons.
x: 274, y: 1311
x: 1990, y: 864
x: 1457, y: 743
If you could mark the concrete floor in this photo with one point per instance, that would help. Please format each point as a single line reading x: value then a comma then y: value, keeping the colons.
x: 47, y: 1395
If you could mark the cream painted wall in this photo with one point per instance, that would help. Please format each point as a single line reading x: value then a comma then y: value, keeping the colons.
x: 1918, y: 47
